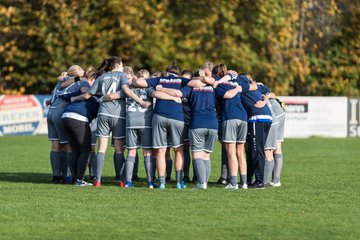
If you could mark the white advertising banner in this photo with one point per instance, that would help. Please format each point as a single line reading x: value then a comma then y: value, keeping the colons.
x: 316, y: 116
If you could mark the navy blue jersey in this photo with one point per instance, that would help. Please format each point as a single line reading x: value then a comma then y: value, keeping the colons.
x: 202, y: 107
x: 168, y: 108
x: 232, y: 108
x: 249, y: 99
x: 87, y: 108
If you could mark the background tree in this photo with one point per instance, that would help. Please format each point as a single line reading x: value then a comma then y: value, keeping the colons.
x: 298, y: 47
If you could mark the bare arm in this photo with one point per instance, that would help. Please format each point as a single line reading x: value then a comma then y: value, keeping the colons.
x: 165, y: 96
x: 140, y: 82
x: 196, y: 83
x: 64, y: 84
x: 135, y: 97
x: 263, y: 102
x: 110, y: 97
x: 81, y: 97
x: 232, y: 93
x: 169, y: 91
x: 84, y: 89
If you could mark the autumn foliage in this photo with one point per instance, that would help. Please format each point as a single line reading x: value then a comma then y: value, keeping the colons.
x: 298, y: 47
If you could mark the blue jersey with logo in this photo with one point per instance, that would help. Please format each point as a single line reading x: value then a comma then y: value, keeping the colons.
x: 232, y: 108
x: 169, y: 108
x: 249, y: 99
x: 202, y: 107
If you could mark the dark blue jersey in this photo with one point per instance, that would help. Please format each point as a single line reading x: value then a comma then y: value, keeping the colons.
x: 202, y: 107
x: 168, y: 108
x: 249, y: 99
x: 87, y: 108
x: 232, y: 108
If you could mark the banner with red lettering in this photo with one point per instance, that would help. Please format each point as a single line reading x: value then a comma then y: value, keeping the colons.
x: 23, y: 115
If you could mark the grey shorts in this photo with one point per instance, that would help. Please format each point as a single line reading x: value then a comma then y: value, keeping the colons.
x: 202, y: 139
x: 107, y: 124
x: 234, y: 131
x: 167, y: 132
x: 280, y: 130
x: 271, y: 139
x: 56, y: 131
x: 93, y: 127
x: 136, y: 138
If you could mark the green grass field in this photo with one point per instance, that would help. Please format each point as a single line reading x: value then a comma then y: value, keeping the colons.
x: 319, y: 199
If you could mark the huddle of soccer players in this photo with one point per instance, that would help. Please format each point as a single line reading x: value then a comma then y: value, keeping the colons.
x: 174, y: 109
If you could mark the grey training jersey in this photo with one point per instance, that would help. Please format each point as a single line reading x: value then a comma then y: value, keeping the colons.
x: 136, y: 115
x: 107, y: 83
x: 60, y: 103
x: 275, y: 120
x: 276, y: 107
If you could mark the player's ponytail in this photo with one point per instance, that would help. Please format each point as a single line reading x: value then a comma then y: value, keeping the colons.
x: 173, y: 68
x: 219, y: 70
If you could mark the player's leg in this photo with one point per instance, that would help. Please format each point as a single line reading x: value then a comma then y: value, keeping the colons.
x: 92, y: 157
x: 187, y: 159
x: 103, y: 134
x: 224, y: 170
x: 118, y: 128
x: 261, y: 133
x: 83, y: 140
x: 208, y: 148
x: 278, y: 159
x: 133, y: 142
x: 270, y: 146
x: 229, y: 137
x: 169, y: 163
x: 65, y: 148
x: 55, y: 161
x: 176, y: 133
x: 197, y: 143
x: 136, y: 168
x: 278, y: 155
x: 240, y: 152
x: 146, y: 142
x: 160, y: 143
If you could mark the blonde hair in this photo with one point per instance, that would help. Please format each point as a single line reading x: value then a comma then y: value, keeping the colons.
x: 202, y: 72
x: 143, y: 73
x: 129, y: 70
x: 75, y: 71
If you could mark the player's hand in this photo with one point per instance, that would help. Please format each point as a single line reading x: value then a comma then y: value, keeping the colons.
x: 47, y: 102
x: 260, y: 104
x: 146, y: 104
x: 232, y: 72
x: 72, y: 99
x: 159, y: 87
x: 178, y: 100
x: 215, y: 84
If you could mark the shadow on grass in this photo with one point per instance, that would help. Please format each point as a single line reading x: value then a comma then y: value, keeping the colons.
x: 45, y: 178
x: 29, y: 177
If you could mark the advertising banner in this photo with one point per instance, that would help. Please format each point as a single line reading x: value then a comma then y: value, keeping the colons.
x: 305, y: 116
x: 316, y: 116
x: 23, y: 115
x: 354, y: 117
